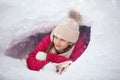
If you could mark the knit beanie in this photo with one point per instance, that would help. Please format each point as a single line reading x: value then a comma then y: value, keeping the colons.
x: 68, y: 29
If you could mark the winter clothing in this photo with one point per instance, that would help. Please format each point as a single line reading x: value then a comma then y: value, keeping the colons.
x: 35, y: 64
x: 41, y: 56
x: 68, y: 29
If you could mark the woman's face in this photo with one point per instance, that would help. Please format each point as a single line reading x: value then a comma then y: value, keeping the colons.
x: 60, y: 44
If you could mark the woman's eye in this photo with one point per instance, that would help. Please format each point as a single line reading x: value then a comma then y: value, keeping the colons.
x: 61, y: 39
x: 56, y: 37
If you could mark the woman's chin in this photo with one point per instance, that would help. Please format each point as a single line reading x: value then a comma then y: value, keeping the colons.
x: 58, y: 49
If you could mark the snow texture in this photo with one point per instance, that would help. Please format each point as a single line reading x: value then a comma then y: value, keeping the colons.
x: 101, y: 59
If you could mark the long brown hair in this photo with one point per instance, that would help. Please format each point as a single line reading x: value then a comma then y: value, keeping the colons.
x: 50, y: 47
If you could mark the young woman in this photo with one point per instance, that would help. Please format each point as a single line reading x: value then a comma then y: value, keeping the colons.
x: 60, y: 46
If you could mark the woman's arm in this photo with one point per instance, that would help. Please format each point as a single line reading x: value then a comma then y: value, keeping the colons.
x: 32, y: 62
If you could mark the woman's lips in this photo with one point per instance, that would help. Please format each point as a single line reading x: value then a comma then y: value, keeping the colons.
x: 57, y: 46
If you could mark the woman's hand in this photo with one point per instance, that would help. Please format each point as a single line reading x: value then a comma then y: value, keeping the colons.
x: 61, y: 67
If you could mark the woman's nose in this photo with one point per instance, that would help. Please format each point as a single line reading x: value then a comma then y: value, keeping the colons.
x: 58, y: 41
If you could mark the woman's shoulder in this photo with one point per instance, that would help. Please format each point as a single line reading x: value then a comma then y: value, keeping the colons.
x: 46, y: 39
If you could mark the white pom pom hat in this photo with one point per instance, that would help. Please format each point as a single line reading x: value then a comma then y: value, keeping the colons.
x: 68, y: 29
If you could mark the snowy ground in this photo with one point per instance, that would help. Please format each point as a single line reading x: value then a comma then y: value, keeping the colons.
x: 101, y: 59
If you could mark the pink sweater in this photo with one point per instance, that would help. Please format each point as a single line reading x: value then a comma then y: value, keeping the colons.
x: 43, y: 45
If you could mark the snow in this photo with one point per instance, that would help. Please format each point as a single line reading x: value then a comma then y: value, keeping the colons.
x: 101, y: 59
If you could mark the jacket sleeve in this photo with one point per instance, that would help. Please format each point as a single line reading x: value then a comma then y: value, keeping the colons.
x: 56, y: 58
x: 32, y: 62
x: 78, y: 50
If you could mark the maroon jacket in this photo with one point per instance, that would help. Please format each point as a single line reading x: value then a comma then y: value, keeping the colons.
x: 43, y: 45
